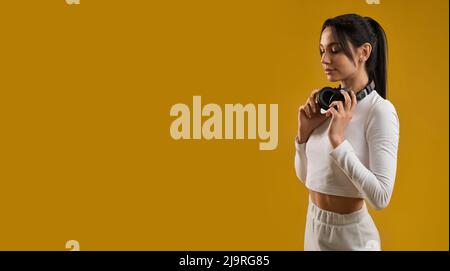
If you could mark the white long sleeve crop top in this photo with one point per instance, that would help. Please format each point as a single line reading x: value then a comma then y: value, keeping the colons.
x: 364, y: 164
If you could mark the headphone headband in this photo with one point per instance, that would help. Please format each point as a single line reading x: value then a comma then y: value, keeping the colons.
x: 365, y: 91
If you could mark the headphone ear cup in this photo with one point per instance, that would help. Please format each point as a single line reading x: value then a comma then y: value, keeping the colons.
x: 337, y: 96
x: 324, y: 97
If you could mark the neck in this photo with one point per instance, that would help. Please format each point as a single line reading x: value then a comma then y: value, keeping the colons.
x: 356, y: 83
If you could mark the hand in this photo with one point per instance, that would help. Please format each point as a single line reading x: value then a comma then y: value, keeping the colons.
x: 340, y: 118
x: 309, y: 117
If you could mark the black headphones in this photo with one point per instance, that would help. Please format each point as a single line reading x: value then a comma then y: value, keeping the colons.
x: 327, y: 95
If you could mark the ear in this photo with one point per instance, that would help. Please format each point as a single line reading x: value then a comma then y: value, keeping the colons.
x: 364, y: 51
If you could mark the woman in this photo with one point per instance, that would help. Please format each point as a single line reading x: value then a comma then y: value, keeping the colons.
x: 347, y: 155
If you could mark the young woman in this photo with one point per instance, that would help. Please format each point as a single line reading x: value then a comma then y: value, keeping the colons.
x: 347, y: 155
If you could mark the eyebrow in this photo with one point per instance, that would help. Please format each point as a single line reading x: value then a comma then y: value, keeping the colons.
x: 333, y: 43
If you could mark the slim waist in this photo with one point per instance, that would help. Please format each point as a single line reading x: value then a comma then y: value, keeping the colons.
x: 333, y: 218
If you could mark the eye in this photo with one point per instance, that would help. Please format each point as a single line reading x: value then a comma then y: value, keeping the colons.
x: 335, y: 50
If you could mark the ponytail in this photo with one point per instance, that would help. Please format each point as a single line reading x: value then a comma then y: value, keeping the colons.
x: 377, y: 62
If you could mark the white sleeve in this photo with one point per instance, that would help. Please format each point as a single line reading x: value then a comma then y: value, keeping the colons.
x: 382, y: 135
x: 300, y: 161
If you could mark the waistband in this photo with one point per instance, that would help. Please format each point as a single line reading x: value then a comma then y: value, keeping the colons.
x: 333, y: 218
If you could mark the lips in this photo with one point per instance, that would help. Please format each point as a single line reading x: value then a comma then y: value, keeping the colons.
x: 329, y: 70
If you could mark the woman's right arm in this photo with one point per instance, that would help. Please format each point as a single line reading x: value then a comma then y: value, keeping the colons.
x: 301, y: 161
x: 309, y: 117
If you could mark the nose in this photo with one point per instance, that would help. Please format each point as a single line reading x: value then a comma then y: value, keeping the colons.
x: 325, y: 59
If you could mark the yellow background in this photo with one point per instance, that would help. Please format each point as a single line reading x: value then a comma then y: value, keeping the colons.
x: 85, y: 148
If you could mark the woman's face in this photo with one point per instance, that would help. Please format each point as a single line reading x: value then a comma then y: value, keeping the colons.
x: 336, y: 64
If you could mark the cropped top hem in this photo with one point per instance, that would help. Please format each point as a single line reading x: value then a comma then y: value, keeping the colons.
x: 333, y: 191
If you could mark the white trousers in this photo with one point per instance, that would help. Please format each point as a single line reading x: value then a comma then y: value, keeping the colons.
x: 327, y: 230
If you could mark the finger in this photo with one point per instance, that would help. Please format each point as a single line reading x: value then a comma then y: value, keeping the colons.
x: 314, y: 94
x: 312, y: 104
x: 354, y: 101
x: 301, y: 109
x: 331, y: 111
x: 339, y: 106
x: 332, y: 104
x: 348, y: 101
x: 318, y: 108
x: 308, y: 110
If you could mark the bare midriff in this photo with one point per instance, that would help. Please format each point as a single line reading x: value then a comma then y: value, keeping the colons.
x: 336, y: 204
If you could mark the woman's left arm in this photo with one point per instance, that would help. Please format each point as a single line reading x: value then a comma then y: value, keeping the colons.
x: 382, y: 135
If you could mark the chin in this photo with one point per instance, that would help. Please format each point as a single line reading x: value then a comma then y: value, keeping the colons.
x: 332, y: 78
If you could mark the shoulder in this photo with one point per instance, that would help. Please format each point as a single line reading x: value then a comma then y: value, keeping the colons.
x: 382, y: 115
x: 382, y: 108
